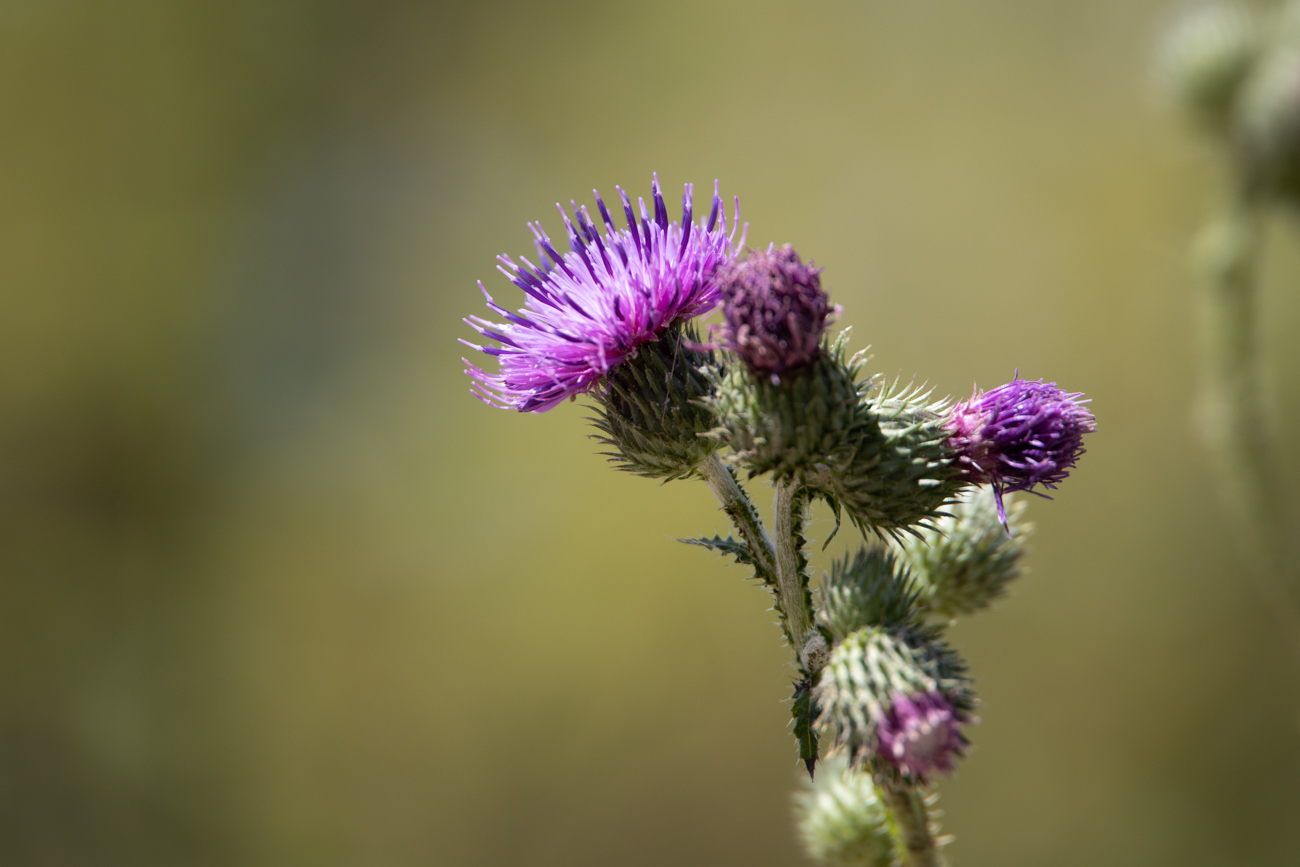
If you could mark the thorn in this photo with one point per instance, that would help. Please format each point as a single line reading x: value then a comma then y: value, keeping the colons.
x: 811, y: 765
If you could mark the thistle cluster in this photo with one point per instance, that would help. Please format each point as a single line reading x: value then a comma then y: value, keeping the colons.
x: 1235, y: 71
x: 775, y: 395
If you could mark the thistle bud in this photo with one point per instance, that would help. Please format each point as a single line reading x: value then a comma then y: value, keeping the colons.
x: 652, y: 411
x: 1269, y: 122
x: 967, y: 559
x: 921, y: 734
x: 898, y: 473
x: 896, y: 698
x: 1206, y: 56
x: 1018, y: 436
x: 774, y: 310
x: 842, y: 820
x: 871, y: 589
x: 788, y: 425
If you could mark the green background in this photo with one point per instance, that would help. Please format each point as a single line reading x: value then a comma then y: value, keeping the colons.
x: 275, y: 590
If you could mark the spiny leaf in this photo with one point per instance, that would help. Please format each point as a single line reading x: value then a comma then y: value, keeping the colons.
x: 804, y: 710
x: 729, y: 545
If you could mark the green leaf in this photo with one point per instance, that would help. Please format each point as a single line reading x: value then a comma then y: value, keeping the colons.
x: 804, y: 711
x: 734, y: 547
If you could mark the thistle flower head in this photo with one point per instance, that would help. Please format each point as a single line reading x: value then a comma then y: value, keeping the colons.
x: 920, y: 734
x: 896, y: 698
x: 775, y: 311
x: 1019, y: 435
x: 592, y: 307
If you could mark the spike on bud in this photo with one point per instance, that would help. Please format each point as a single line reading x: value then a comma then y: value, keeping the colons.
x: 1018, y: 436
x: 775, y: 311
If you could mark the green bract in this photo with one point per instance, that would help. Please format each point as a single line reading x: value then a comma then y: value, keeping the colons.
x: 898, y: 475
x: 878, y: 452
x: 842, y: 820
x: 652, y: 412
x: 793, y: 426
x: 872, y: 589
x: 873, y: 665
x: 968, y: 558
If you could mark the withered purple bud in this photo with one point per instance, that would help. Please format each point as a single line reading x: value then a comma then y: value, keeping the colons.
x: 774, y: 309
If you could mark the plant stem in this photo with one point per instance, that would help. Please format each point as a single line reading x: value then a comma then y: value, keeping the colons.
x: 741, y: 511
x: 790, y: 581
x: 912, y: 817
x: 1232, y: 413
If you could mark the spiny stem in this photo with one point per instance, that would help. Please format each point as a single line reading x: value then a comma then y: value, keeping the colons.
x: 912, y: 817
x: 790, y: 580
x: 1232, y: 405
x: 741, y: 511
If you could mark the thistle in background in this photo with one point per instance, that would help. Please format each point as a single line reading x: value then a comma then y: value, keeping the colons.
x: 1241, y: 69
x: 1018, y: 436
x: 1205, y: 58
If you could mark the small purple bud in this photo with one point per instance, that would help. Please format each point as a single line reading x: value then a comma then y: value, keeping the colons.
x: 921, y: 734
x: 775, y: 311
x: 1019, y: 435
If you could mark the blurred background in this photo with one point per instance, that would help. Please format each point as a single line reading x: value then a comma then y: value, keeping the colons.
x: 275, y: 590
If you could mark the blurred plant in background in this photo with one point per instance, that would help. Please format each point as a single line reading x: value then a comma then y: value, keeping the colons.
x: 611, y: 318
x: 1235, y: 72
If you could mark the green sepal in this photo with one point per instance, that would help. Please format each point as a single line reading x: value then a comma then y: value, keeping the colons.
x: 874, y: 588
x: 793, y: 425
x: 967, y: 560
x: 899, y: 475
x: 651, y: 411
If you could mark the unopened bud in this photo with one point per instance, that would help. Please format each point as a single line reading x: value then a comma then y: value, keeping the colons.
x: 1206, y: 56
x: 775, y: 311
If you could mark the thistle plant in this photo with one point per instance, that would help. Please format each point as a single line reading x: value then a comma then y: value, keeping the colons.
x: 929, y: 483
x: 1235, y: 73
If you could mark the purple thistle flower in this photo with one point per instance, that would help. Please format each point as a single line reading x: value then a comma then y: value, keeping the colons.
x: 1019, y: 435
x: 592, y: 307
x: 921, y: 734
x: 775, y: 311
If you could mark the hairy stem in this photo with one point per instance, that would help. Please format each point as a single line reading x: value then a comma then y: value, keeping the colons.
x: 912, y: 817
x: 741, y: 511
x: 791, y: 583
x: 1232, y: 415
